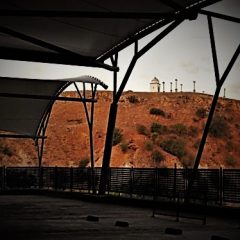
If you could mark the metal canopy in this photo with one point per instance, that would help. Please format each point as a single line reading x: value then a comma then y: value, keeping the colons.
x: 25, y: 103
x: 83, y: 32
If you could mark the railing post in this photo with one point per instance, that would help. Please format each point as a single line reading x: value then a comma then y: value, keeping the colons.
x: 221, y: 186
x: 175, y: 182
x: 71, y: 179
x: 55, y: 178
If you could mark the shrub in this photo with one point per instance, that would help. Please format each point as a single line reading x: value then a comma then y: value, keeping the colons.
x: 187, y: 160
x: 84, y: 162
x: 7, y: 151
x: 230, y: 161
x: 174, y: 146
x: 124, y: 146
x: 141, y: 129
x: 133, y: 99
x: 157, y: 111
x: 117, y: 136
x: 158, y: 128
x: 179, y: 129
x: 219, y: 127
x: 201, y: 112
x: 196, y: 144
x: 148, y: 145
x: 193, y: 131
x: 157, y: 156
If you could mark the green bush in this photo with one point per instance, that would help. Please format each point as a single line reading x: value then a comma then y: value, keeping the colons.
x: 117, y: 136
x: 219, y: 127
x: 174, y: 146
x: 141, y: 129
x: 124, y: 146
x: 133, y: 99
x: 157, y: 111
x: 158, y: 128
x: 201, y: 112
x: 179, y: 129
x: 84, y: 162
x: 157, y: 156
x: 148, y: 145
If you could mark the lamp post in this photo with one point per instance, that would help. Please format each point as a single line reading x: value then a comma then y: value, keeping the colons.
x: 163, y: 84
x: 181, y: 86
x: 176, y: 85
x: 194, y: 86
x: 170, y: 86
x: 224, y: 92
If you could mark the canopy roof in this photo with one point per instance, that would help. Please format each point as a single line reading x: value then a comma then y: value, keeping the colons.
x: 80, y: 32
x: 74, y: 32
x: 25, y: 103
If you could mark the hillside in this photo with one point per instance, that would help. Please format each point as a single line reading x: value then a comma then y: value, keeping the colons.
x: 169, y: 136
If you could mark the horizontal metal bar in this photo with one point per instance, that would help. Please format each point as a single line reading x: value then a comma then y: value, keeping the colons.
x: 51, y: 57
x: 82, y: 14
x: 155, y: 26
x: 21, y: 136
x: 220, y: 16
x: 43, y: 97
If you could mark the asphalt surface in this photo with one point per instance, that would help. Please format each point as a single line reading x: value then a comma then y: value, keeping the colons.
x: 43, y: 217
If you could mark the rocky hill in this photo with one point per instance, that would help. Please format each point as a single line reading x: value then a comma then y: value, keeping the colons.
x: 153, y: 130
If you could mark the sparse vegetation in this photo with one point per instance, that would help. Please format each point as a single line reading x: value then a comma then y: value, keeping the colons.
x: 201, y: 112
x: 158, y: 128
x: 141, y: 129
x: 179, y: 129
x: 187, y: 160
x: 193, y: 131
x: 230, y: 161
x: 157, y: 111
x: 124, y: 146
x: 157, y: 156
x: 133, y: 99
x: 148, y: 145
x: 5, y: 150
x: 196, y: 144
x: 219, y: 127
x: 84, y: 162
x: 174, y: 146
x: 117, y: 136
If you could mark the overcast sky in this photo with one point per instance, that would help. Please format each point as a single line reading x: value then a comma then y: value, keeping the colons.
x: 184, y: 54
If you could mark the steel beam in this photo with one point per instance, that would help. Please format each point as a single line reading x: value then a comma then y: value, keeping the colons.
x: 114, y: 106
x: 44, y: 97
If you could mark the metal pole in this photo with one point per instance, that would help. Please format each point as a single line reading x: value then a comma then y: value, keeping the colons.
x: 176, y: 85
x: 170, y: 86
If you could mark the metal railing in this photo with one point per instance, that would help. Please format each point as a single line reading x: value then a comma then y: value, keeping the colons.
x: 219, y: 186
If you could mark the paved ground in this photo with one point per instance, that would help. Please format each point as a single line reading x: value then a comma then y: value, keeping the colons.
x: 42, y: 217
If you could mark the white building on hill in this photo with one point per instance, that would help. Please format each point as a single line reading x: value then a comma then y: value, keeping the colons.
x: 155, y: 85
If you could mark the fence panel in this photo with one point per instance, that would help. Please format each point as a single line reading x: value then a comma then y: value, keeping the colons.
x: 231, y: 185
x: 165, y: 182
x: 206, y: 184
x: 21, y: 177
x: 143, y: 181
x: 2, y: 177
x: 120, y: 180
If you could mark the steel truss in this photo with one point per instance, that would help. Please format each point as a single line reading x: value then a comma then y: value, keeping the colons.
x: 40, y: 136
x: 137, y: 54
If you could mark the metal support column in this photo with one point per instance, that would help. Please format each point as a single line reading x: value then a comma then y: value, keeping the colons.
x: 219, y: 84
x: 114, y: 105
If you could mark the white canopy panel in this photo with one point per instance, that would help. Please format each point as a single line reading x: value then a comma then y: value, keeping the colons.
x: 22, y: 111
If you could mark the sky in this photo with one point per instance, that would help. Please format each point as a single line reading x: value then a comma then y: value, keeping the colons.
x: 185, y: 54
